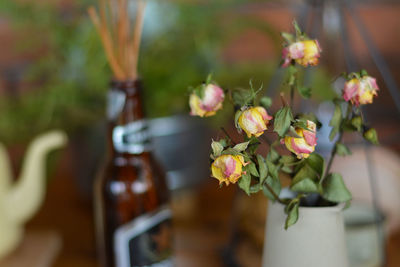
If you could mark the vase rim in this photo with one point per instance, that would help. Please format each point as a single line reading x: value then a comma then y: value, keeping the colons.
x: 336, y: 208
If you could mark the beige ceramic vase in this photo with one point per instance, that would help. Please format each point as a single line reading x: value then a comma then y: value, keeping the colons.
x: 316, y: 240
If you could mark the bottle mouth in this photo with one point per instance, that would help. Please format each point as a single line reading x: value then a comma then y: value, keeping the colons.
x: 128, y: 83
x: 128, y: 87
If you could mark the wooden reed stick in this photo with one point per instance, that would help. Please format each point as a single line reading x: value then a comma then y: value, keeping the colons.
x: 135, y: 42
x: 123, y: 25
x: 107, y: 43
x: 122, y: 51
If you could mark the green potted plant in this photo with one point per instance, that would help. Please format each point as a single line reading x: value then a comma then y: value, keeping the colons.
x: 305, y: 222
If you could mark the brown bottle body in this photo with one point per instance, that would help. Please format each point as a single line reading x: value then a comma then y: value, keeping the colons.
x: 130, y: 186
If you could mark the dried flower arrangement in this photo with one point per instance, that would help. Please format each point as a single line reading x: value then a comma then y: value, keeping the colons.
x: 240, y: 163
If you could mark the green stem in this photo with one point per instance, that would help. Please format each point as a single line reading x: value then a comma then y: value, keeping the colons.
x: 292, y: 87
x: 334, y: 150
x: 265, y: 139
x: 274, y: 194
x: 227, y: 135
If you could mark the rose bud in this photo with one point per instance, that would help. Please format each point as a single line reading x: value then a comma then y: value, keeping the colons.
x: 227, y: 168
x: 212, y: 99
x: 371, y: 136
x: 304, y: 145
x: 254, y: 121
x: 303, y: 52
x: 360, y: 91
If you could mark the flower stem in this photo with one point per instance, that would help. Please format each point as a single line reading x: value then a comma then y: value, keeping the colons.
x: 334, y: 150
x: 274, y: 194
x: 284, y: 102
x: 291, y: 96
x: 227, y: 135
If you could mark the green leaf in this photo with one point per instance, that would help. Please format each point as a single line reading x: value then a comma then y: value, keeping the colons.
x: 283, y: 118
x: 242, y: 97
x: 200, y: 90
x: 223, y: 142
x: 334, y: 189
x: 316, y: 162
x: 262, y: 167
x: 342, y: 150
x: 305, y: 92
x: 363, y: 73
x: 237, y: 115
x: 300, y: 123
x: 357, y: 122
x: 287, y: 160
x: 305, y: 172
x: 253, y: 145
x: 292, y: 132
x: 335, y: 122
x: 275, y: 185
x: 209, y: 78
x: 371, y: 136
x: 255, y: 188
x: 305, y: 186
x: 287, y: 169
x: 273, y: 155
x: 289, y: 38
x: 266, y: 102
x: 217, y: 148
x: 311, y: 117
x: 292, y: 213
x: 231, y: 151
x: 272, y: 169
x: 245, y: 182
x: 241, y: 147
x: 252, y: 169
x: 297, y: 29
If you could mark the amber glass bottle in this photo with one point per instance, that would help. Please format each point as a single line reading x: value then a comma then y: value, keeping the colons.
x: 131, y: 197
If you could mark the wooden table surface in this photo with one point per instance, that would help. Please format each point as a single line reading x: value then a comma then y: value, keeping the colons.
x: 202, y: 223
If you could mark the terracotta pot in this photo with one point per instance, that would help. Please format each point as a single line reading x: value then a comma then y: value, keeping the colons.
x: 317, y: 239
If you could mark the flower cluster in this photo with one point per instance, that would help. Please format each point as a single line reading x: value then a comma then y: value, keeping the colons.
x: 293, y: 151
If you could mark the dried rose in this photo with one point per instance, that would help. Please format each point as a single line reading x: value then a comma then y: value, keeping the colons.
x: 305, y: 144
x: 360, y: 91
x: 209, y: 103
x: 228, y: 168
x: 254, y: 121
x: 303, y: 52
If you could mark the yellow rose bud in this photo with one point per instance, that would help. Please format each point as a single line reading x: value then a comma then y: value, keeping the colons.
x: 254, y: 121
x: 304, y: 145
x: 227, y: 168
x: 212, y: 99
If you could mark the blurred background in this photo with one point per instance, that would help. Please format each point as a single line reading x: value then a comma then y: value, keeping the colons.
x: 54, y: 75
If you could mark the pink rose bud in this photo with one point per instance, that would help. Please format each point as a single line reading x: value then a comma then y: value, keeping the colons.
x: 228, y: 168
x: 303, y: 52
x: 211, y: 101
x: 304, y: 145
x: 360, y: 91
x: 254, y: 121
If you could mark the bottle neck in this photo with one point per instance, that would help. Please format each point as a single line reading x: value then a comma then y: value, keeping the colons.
x: 128, y: 129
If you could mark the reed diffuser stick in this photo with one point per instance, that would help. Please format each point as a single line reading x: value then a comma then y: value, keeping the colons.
x: 121, y: 48
x: 137, y: 36
x: 107, y: 44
